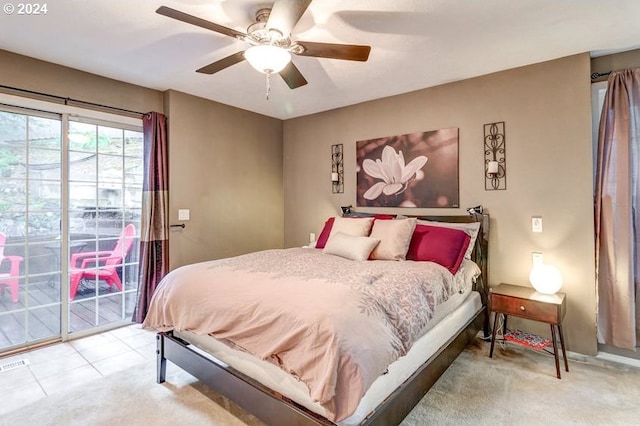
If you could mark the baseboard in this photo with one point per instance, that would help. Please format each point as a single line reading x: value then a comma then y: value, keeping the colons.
x: 605, y: 356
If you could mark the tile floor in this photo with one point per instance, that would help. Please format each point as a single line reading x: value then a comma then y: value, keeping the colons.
x: 74, y: 363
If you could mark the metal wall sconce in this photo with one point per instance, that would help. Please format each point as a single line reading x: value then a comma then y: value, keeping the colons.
x: 495, y: 163
x: 337, y: 169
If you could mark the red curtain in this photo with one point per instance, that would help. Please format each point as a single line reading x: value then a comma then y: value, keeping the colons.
x: 154, y: 234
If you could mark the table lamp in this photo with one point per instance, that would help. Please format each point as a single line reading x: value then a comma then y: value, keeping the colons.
x: 545, y: 278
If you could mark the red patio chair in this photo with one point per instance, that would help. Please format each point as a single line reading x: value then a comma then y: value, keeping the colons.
x: 100, y: 265
x: 9, y: 279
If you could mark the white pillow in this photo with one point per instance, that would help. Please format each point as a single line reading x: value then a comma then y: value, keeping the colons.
x: 358, y: 227
x: 350, y: 247
x: 394, y: 236
x: 471, y: 228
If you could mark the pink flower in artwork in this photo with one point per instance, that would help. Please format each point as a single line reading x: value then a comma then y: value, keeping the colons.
x: 394, y: 173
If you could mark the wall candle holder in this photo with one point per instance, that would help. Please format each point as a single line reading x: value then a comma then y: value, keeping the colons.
x: 495, y: 163
x: 337, y: 169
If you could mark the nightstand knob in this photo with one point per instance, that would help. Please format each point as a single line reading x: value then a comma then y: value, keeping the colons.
x: 522, y: 308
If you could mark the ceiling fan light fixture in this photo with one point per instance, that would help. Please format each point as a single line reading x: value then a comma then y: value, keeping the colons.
x: 267, y: 59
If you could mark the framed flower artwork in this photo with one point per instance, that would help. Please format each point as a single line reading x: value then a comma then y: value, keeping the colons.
x: 413, y: 170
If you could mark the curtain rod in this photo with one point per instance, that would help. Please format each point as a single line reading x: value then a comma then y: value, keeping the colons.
x: 69, y: 101
x: 597, y: 75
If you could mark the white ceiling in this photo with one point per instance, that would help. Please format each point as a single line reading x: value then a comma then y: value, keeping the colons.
x: 415, y: 44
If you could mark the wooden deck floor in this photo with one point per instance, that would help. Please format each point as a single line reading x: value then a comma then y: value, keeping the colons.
x: 36, y: 315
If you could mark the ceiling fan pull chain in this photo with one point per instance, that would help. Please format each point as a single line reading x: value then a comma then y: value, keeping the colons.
x: 268, y: 74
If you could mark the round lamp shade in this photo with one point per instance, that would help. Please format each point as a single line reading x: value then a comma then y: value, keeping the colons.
x: 267, y: 59
x: 545, y: 279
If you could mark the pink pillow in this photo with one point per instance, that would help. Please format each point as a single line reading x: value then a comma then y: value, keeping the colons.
x: 445, y: 246
x: 394, y: 236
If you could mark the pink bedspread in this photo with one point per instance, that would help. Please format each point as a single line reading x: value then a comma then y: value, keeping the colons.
x: 334, y: 323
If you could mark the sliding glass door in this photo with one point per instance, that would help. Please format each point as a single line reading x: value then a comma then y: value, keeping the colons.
x: 69, y: 223
x: 30, y: 219
x: 105, y: 193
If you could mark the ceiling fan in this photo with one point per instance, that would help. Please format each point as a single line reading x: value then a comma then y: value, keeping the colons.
x: 271, y: 44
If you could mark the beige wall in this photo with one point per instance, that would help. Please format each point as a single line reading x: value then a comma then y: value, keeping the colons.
x: 618, y: 61
x: 546, y: 108
x: 39, y: 76
x: 225, y: 165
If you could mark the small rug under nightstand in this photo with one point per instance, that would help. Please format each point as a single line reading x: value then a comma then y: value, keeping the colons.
x: 527, y: 339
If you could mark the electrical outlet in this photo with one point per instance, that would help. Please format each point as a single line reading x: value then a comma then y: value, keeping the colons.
x: 536, y: 259
x: 536, y: 224
x: 312, y: 237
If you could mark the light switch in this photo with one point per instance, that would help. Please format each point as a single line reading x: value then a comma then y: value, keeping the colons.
x: 536, y: 224
x: 183, y: 214
x: 312, y: 237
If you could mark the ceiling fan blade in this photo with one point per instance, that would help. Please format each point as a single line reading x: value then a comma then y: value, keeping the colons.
x: 193, y: 20
x: 349, y: 52
x: 222, y: 63
x: 292, y: 76
x: 285, y: 14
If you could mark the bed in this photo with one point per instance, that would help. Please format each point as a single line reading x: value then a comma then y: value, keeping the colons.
x: 375, y: 376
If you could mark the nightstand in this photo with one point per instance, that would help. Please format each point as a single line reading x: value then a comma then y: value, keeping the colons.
x: 525, y: 302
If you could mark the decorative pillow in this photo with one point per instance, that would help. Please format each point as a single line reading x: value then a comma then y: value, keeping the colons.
x: 324, y: 235
x: 328, y: 227
x: 349, y: 246
x: 356, y: 226
x: 445, y: 246
x: 394, y: 236
x: 471, y: 228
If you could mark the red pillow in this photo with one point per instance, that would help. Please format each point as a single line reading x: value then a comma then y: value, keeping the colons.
x: 324, y: 235
x: 326, y: 231
x: 445, y: 246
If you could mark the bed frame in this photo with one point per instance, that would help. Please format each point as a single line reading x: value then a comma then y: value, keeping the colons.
x: 276, y: 409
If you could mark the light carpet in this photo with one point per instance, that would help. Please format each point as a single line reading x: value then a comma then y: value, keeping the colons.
x: 518, y: 386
